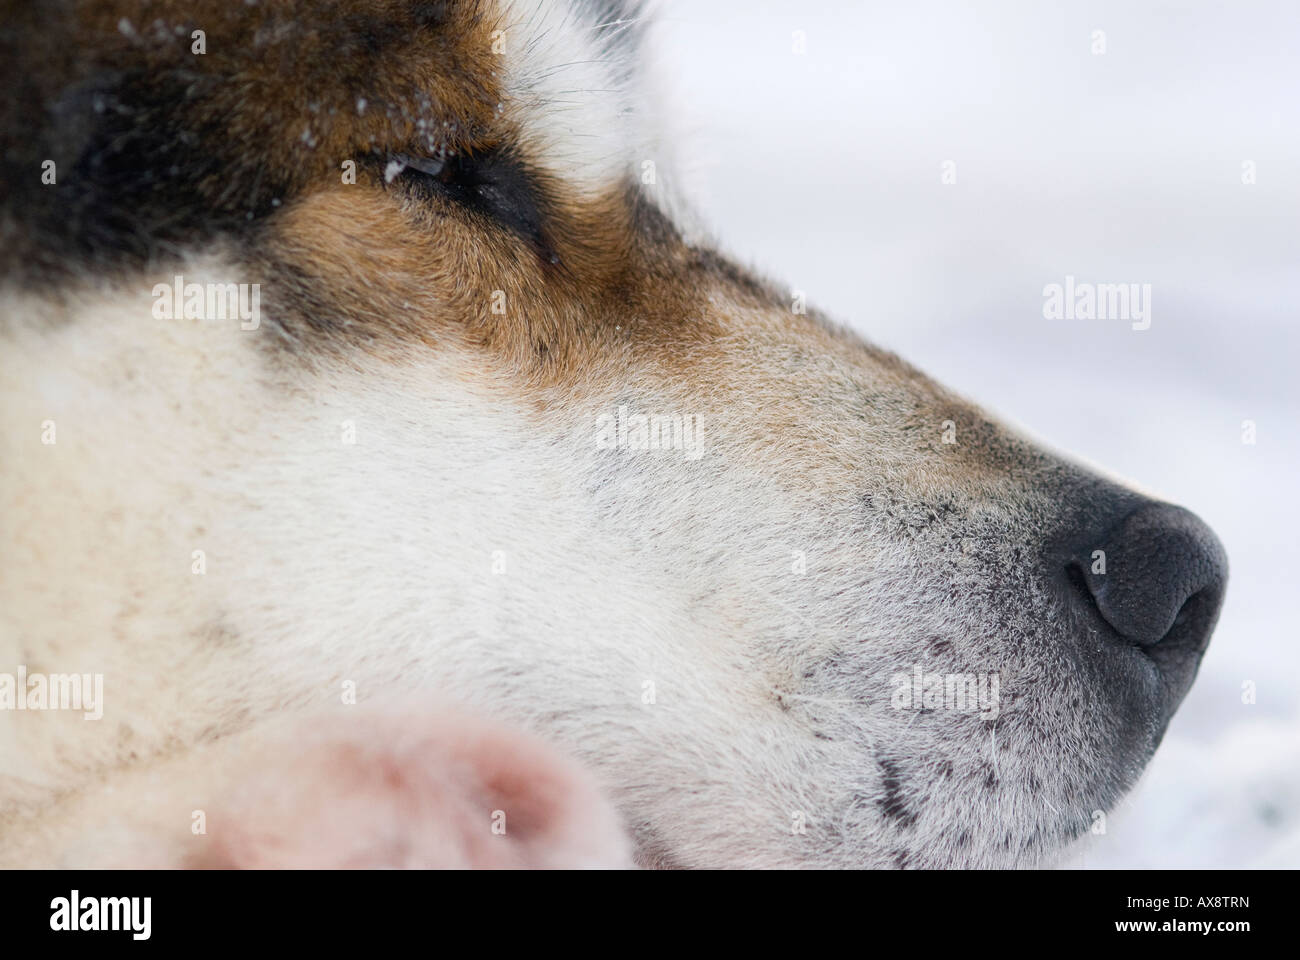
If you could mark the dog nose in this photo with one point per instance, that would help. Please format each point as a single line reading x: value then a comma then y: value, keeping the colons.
x: 1157, y: 577
x: 1161, y: 563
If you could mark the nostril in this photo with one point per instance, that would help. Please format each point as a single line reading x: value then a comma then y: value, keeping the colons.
x: 1186, y: 611
x: 1074, y: 574
x: 1088, y: 599
x: 1195, y: 619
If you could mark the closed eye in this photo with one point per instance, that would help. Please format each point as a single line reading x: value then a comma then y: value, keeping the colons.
x: 491, y: 183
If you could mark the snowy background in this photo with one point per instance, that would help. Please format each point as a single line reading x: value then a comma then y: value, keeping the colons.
x: 823, y: 168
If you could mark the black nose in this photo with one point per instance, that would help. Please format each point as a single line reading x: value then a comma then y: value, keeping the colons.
x: 1157, y: 577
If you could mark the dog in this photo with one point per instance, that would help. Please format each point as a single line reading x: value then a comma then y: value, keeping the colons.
x: 362, y: 359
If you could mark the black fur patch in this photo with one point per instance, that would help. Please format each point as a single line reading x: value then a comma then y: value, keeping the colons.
x: 893, y: 804
x: 158, y: 148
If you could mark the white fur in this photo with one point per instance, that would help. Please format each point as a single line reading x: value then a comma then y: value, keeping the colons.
x: 583, y: 110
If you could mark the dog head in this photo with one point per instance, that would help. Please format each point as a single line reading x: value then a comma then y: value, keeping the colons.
x: 492, y: 421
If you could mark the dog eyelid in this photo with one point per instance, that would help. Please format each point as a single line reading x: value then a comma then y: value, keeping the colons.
x: 491, y: 183
x: 430, y: 166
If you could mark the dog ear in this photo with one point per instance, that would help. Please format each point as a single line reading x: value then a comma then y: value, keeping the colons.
x: 418, y: 790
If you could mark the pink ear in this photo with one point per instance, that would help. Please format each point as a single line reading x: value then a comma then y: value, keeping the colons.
x: 412, y: 789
